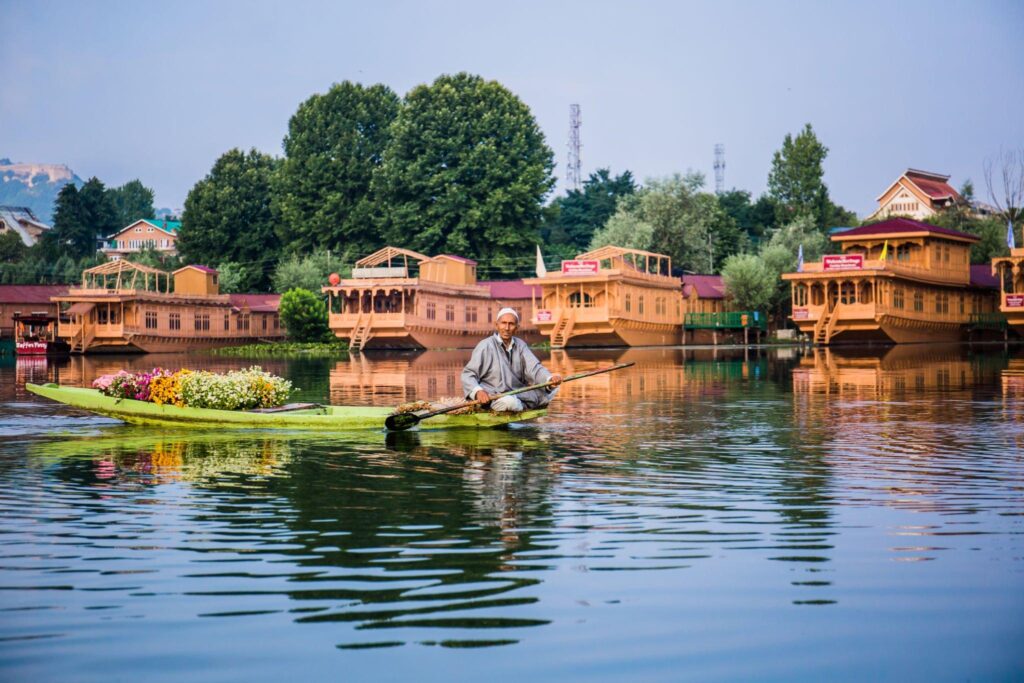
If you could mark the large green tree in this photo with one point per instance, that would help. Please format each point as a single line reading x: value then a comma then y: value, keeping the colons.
x: 580, y: 213
x: 132, y: 201
x: 72, y: 230
x: 334, y: 144
x: 466, y: 172
x: 796, y: 180
x: 681, y: 221
x: 228, y: 216
x: 304, y: 316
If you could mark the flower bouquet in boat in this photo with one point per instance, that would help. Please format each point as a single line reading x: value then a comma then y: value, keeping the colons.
x: 250, y: 398
x: 249, y: 389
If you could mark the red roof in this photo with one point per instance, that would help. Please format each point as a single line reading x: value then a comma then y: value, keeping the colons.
x: 257, y: 303
x: 899, y: 225
x: 931, y: 185
x: 706, y: 286
x: 205, y: 269
x: 460, y: 259
x: 508, y: 289
x: 30, y: 294
x: 981, y: 276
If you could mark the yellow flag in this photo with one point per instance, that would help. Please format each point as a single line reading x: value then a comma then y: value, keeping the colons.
x: 885, y: 250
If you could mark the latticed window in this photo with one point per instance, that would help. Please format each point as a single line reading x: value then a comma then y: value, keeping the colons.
x: 470, y: 314
x: 897, y: 298
x: 640, y: 305
x: 628, y: 303
x: 918, y: 301
x: 150, y: 320
x: 580, y: 300
x: 174, y: 321
x: 848, y: 293
x: 449, y: 312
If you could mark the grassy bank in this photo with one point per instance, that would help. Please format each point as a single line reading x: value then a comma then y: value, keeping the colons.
x: 285, y: 350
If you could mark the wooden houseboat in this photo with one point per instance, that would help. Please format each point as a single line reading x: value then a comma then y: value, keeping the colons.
x: 123, y: 307
x: 1009, y: 274
x: 895, y: 281
x: 611, y: 297
x: 400, y: 299
x: 23, y: 300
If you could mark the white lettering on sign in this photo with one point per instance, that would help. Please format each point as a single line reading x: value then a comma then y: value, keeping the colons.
x: 842, y: 262
x: 576, y: 267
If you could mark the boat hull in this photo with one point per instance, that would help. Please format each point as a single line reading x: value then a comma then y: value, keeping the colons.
x: 324, y: 418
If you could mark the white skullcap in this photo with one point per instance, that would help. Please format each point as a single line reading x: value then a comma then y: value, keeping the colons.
x: 507, y: 310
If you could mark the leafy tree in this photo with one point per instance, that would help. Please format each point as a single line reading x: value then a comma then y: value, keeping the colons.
x: 465, y: 172
x: 158, y: 259
x: 334, y: 144
x: 796, y: 183
x: 236, y: 278
x: 796, y: 180
x: 72, y: 232
x: 11, y: 247
x: 132, y: 201
x: 307, y: 272
x: 304, y: 316
x: 580, y: 213
x: 748, y: 281
x: 688, y: 225
x: 228, y: 217
x: 98, y: 210
x: 625, y: 229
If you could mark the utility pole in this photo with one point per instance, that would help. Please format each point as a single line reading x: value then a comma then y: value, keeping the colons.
x: 719, y: 168
x: 573, y: 174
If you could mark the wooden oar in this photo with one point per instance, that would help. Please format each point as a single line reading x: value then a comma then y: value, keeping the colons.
x: 399, y: 421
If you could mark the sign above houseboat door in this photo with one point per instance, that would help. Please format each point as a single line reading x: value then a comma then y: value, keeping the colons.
x: 842, y: 262
x: 1015, y: 300
x: 576, y: 267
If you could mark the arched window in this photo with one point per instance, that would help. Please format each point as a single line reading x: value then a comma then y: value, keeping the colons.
x: 817, y: 294
x: 580, y: 300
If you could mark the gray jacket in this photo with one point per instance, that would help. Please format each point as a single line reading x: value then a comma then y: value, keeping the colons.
x: 491, y: 369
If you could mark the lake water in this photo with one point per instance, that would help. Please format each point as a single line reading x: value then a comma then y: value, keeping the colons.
x: 729, y: 515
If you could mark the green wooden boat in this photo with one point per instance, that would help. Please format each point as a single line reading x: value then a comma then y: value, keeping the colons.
x: 319, y: 418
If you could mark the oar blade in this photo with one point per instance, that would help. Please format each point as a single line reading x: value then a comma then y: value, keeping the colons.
x: 398, y: 422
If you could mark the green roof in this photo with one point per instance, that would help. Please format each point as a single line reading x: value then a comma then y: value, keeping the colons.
x: 169, y: 226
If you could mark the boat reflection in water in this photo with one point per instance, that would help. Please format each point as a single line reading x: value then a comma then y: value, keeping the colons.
x: 381, y: 532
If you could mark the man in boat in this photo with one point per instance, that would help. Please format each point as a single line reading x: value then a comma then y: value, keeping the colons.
x: 503, y: 362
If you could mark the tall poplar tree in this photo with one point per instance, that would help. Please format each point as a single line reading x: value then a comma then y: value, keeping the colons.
x: 466, y: 172
x: 335, y: 142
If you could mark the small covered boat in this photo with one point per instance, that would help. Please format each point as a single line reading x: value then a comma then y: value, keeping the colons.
x: 314, y: 418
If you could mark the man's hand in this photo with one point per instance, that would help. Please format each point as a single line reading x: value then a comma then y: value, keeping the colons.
x: 482, y: 397
x: 554, y: 380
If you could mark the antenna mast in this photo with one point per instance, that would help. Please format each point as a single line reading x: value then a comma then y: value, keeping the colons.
x: 719, y: 168
x: 573, y: 175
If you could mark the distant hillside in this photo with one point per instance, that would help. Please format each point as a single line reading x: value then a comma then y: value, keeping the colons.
x: 34, y: 185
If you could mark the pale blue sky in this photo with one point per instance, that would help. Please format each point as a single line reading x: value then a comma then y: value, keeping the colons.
x: 159, y: 90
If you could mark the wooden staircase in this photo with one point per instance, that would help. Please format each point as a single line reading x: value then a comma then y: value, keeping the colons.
x: 825, y: 326
x: 81, y: 340
x: 562, y: 331
x: 361, y: 333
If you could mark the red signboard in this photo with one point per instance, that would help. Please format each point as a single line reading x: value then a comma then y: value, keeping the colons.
x: 31, y: 348
x: 800, y: 314
x: 1015, y: 300
x: 842, y: 262
x: 543, y: 316
x: 580, y: 267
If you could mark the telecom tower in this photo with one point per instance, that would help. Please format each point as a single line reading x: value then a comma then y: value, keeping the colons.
x: 719, y: 168
x: 573, y: 175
